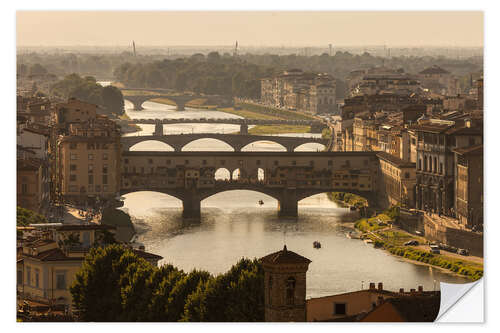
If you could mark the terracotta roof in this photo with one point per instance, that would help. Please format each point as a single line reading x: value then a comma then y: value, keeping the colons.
x: 465, y: 131
x: 476, y: 150
x: 92, y: 226
x: 53, y: 255
x: 416, y: 309
x: 284, y: 257
x: 146, y: 255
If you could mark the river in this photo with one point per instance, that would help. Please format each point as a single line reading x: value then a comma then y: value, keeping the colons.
x: 233, y: 225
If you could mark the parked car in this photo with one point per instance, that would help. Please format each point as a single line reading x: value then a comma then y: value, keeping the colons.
x: 435, y: 249
x: 412, y: 243
x: 463, y: 252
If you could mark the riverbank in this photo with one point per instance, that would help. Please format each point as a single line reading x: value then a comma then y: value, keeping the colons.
x: 392, y: 239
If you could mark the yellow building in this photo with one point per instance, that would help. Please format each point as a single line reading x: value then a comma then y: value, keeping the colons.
x: 47, y: 264
x: 399, y: 179
x: 32, y: 184
x: 88, y: 161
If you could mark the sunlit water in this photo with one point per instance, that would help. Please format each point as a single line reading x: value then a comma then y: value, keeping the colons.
x: 233, y: 225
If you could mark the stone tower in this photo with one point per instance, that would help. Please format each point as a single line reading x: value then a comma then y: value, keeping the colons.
x: 285, y: 286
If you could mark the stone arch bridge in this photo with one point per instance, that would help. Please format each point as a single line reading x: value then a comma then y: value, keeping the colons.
x: 180, y: 99
x: 236, y: 141
x: 287, y: 177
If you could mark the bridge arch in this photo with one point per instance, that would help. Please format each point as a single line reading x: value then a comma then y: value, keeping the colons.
x: 303, y: 147
x: 157, y: 146
x: 189, y: 145
x: 249, y: 146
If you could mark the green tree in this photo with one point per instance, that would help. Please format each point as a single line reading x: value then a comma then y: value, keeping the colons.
x: 112, y: 100
x: 25, y: 217
x: 96, y: 290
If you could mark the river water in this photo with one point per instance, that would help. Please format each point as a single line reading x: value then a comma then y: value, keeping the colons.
x: 233, y: 225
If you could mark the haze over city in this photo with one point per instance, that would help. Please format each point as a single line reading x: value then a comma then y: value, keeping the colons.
x: 113, y: 28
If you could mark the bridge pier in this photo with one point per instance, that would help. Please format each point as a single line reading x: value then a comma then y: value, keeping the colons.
x: 180, y: 106
x: 158, y: 129
x: 288, y: 205
x: 243, y: 129
x: 191, y: 208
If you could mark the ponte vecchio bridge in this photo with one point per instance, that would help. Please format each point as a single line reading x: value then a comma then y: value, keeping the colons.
x: 286, y: 176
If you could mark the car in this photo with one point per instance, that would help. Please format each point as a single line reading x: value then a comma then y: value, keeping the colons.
x: 435, y: 249
x: 411, y: 243
x: 463, y: 252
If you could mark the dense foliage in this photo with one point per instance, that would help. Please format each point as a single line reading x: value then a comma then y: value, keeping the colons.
x: 87, y: 89
x: 26, y: 217
x: 213, y: 75
x: 116, y: 285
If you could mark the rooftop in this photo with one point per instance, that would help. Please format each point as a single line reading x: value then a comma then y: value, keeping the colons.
x: 284, y: 257
x: 434, y: 70
x: 472, y: 150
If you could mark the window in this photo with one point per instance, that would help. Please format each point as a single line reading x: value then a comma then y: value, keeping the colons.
x: 24, y: 188
x: 330, y: 163
x: 126, y: 161
x: 150, y: 160
x: 72, y: 178
x: 91, y: 179
x: 72, y: 167
x: 258, y: 162
x: 105, y: 156
x: 339, y: 309
x: 440, y: 167
x: 60, y: 280
x: 407, y: 175
x: 91, y: 156
x: 72, y: 156
x: 72, y: 145
x: 222, y: 162
x: 98, y: 188
x: 28, y: 275
x: 168, y: 162
x: 290, y: 291
x: 204, y: 162
x: 105, y: 168
x: 311, y: 163
x: 419, y: 164
x: 91, y: 168
x: 276, y: 163
x: 105, y: 188
x: 471, y: 141
x: 19, y: 277
x: 294, y: 162
x: 37, y: 277
x: 186, y: 162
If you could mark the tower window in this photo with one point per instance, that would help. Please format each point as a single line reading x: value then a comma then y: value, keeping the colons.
x: 290, y: 290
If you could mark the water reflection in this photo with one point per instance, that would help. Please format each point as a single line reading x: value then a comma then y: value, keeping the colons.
x: 234, y: 225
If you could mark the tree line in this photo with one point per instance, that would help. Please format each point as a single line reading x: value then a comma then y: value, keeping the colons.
x: 114, y: 284
x: 213, y: 74
x: 109, y: 98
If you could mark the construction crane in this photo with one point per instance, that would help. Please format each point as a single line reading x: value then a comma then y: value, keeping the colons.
x: 133, y: 46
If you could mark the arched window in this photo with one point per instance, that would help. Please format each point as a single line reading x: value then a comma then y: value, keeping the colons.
x: 290, y: 291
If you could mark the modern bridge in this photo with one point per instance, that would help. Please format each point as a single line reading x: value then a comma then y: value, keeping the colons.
x: 236, y: 141
x: 286, y: 176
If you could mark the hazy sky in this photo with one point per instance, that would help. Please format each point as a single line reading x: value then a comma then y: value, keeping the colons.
x: 249, y: 28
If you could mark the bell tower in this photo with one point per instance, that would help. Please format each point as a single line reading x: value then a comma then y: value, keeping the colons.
x: 285, y: 286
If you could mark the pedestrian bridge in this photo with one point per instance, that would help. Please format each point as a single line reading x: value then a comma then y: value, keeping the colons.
x: 236, y: 141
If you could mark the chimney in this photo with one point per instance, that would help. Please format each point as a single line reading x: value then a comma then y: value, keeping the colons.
x: 401, y: 290
x: 380, y: 286
x: 372, y: 285
x: 412, y: 292
x: 420, y: 289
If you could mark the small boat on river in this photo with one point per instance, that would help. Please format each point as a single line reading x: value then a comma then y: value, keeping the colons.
x: 317, y: 245
x: 261, y: 202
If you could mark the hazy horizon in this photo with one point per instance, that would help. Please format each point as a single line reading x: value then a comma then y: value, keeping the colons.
x: 250, y: 29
